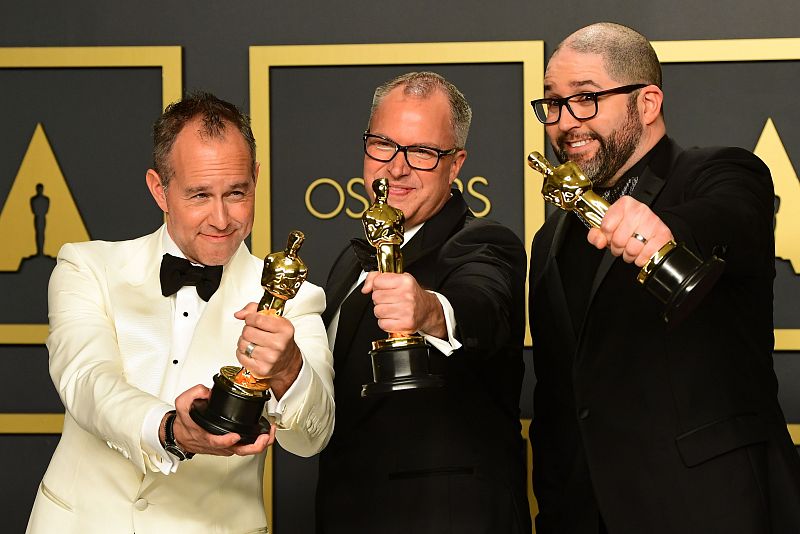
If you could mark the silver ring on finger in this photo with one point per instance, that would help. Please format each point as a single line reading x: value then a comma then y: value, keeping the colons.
x: 639, y: 237
x: 248, y: 350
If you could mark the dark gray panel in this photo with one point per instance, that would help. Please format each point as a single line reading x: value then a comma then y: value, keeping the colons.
x: 295, y: 487
x: 26, y: 384
x: 23, y: 461
x: 787, y: 369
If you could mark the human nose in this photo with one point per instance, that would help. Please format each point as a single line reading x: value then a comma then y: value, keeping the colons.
x: 218, y: 217
x: 567, y: 120
x: 398, y: 166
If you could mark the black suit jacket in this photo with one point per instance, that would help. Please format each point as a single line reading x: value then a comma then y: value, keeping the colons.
x: 437, y: 460
x: 666, y: 429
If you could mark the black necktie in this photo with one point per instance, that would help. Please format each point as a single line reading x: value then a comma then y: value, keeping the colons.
x: 365, y: 254
x: 179, y: 272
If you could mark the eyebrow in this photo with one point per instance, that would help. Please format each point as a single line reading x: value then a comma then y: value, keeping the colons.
x: 203, y: 188
x: 421, y: 144
x: 579, y: 84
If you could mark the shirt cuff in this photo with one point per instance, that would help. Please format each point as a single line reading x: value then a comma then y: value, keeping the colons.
x: 159, y: 458
x: 292, y: 400
x: 451, y: 344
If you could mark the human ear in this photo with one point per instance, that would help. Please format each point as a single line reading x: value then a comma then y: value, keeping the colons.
x: 651, y: 99
x: 157, y: 189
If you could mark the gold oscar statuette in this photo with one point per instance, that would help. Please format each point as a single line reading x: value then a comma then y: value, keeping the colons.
x: 400, y: 361
x: 674, y: 275
x: 238, y: 396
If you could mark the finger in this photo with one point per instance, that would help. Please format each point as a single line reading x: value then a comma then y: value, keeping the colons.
x: 251, y: 307
x: 597, y: 238
x: 183, y: 402
x: 259, y: 445
x: 369, y: 282
x: 633, y: 248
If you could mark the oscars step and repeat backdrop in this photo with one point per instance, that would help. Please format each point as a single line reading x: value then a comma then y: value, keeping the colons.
x: 75, y: 145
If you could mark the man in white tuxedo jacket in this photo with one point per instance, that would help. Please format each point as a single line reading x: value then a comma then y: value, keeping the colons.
x: 124, y: 353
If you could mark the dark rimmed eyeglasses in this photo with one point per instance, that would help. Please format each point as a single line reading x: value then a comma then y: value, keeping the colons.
x: 582, y: 106
x: 420, y: 157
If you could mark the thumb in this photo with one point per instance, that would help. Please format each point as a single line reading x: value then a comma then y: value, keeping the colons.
x: 368, y: 283
x: 244, y: 312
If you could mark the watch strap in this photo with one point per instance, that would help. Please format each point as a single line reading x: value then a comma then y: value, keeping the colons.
x: 170, y: 444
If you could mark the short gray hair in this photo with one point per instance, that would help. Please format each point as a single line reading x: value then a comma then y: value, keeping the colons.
x: 422, y: 85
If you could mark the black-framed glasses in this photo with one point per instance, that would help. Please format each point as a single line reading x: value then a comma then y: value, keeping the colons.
x: 582, y: 106
x: 420, y: 157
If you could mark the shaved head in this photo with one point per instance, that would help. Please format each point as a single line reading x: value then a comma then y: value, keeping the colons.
x: 627, y: 55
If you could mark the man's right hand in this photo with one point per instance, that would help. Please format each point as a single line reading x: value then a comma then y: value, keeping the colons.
x: 194, y: 439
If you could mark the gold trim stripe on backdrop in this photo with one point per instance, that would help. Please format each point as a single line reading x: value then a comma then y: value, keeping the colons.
x: 23, y: 334
x: 166, y: 57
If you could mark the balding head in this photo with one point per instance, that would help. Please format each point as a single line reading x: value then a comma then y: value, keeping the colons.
x: 627, y: 55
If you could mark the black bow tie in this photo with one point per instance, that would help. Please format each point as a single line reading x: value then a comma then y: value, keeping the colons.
x: 179, y: 272
x: 365, y: 254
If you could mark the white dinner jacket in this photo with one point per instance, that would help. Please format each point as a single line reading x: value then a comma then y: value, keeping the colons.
x: 109, y: 341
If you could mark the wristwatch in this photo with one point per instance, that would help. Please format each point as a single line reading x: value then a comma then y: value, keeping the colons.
x: 170, y: 445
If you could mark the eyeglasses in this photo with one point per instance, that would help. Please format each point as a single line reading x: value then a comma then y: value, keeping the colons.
x: 582, y: 106
x: 420, y: 157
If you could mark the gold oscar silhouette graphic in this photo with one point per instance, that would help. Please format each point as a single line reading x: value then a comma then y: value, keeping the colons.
x: 402, y: 360
x: 674, y: 275
x: 238, y: 397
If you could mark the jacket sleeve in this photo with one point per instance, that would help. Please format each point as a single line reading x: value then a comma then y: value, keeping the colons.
x: 483, y: 278
x: 307, y: 421
x: 727, y: 209
x: 85, y: 362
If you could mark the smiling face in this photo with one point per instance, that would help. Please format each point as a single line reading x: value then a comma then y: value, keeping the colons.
x: 410, y: 120
x: 210, y: 199
x: 606, y: 145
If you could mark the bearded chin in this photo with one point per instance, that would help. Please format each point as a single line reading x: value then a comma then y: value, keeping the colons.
x: 614, y: 151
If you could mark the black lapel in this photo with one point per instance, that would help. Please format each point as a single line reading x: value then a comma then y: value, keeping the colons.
x: 436, y: 230
x: 558, y: 222
x: 342, y: 277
